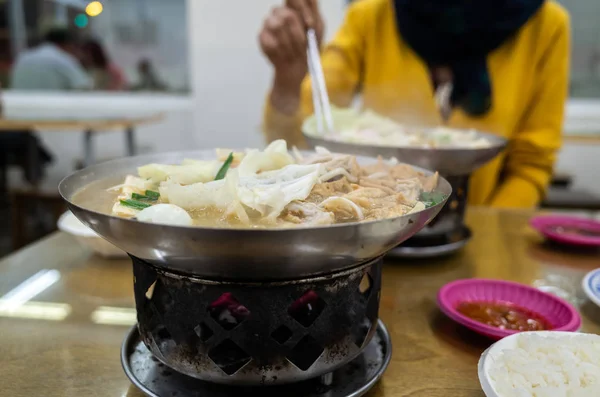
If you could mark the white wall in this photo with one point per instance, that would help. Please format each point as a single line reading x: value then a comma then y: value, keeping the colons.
x: 231, y: 77
x: 229, y: 82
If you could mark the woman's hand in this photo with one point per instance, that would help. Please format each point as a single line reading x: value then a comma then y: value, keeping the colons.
x: 283, y: 40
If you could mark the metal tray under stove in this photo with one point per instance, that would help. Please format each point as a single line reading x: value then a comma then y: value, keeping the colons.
x: 355, y: 379
x: 427, y: 247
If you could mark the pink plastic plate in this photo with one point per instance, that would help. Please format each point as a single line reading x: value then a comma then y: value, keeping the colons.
x: 568, y: 229
x: 559, y: 314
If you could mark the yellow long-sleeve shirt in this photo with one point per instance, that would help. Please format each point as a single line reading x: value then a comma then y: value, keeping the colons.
x: 529, y: 75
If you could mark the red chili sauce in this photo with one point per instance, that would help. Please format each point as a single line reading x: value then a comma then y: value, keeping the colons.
x: 504, y: 316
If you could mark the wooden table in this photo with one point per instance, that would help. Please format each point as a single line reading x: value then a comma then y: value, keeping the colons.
x: 582, y: 139
x: 61, y: 121
x: 75, y: 351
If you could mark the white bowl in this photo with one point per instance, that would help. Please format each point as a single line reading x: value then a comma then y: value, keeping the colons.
x: 591, y: 286
x: 510, y: 342
x: 68, y: 223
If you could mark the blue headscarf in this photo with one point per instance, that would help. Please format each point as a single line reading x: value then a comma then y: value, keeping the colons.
x: 460, y: 34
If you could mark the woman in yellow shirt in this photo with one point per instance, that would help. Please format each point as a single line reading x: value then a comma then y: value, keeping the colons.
x: 507, y: 60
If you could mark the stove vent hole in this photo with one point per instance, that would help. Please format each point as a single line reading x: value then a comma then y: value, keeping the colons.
x: 361, y: 332
x: 307, y: 308
x: 282, y: 334
x: 228, y: 312
x: 203, y: 332
x: 163, y: 334
x: 229, y: 357
x: 150, y: 290
x: 366, y: 285
x: 305, y: 353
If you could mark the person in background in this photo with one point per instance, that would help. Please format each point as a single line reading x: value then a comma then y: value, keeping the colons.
x: 105, y: 74
x: 148, y: 80
x: 52, y: 65
x: 507, y: 61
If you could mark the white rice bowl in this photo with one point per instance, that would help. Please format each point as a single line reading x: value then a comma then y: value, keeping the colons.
x: 542, y: 364
x: 68, y: 223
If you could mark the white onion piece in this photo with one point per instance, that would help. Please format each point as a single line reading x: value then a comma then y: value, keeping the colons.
x: 274, y: 157
x: 419, y: 206
x: 130, y: 184
x: 321, y: 150
x: 336, y: 172
x: 377, y: 175
x: 299, y: 157
x: 346, y: 202
x: 165, y: 214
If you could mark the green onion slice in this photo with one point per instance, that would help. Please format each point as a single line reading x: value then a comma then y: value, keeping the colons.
x: 153, y: 195
x: 135, y: 204
x: 432, y: 198
x: 223, y: 170
x: 149, y: 196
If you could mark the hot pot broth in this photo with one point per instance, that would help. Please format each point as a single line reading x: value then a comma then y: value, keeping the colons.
x: 269, y: 188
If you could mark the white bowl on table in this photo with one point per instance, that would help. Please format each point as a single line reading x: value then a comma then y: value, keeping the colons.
x: 492, y: 355
x: 591, y: 286
x: 68, y: 223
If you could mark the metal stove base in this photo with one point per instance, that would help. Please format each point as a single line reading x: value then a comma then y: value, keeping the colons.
x: 352, y: 380
x: 417, y: 248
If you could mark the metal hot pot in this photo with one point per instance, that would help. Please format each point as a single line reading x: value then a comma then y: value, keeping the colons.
x: 250, y: 306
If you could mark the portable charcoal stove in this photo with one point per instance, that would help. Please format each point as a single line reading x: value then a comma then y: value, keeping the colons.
x: 249, y: 333
x: 313, y: 334
x: 446, y: 233
x: 252, y: 307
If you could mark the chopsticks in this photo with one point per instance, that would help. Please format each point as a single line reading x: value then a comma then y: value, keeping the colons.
x: 319, y: 89
x: 442, y: 99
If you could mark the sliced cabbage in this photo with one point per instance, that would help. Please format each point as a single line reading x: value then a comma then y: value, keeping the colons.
x: 191, y: 172
x: 274, y: 157
x: 197, y: 195
x: 165, y: 214
x: 267, y: 193
x: 270, y: 192
x: 191, y: 161
x: 265, y: 182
